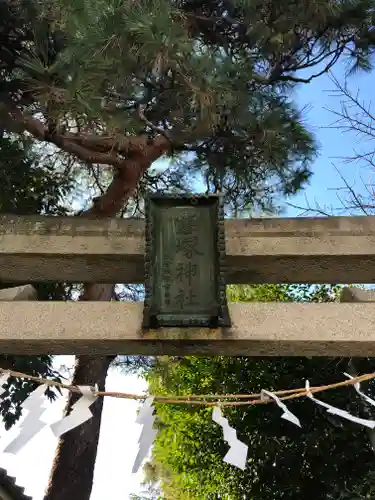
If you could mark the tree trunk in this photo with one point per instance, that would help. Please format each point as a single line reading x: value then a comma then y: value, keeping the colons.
x: 73, y: 467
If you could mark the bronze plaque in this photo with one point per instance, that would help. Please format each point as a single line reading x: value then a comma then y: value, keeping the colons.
x: 185, y: 249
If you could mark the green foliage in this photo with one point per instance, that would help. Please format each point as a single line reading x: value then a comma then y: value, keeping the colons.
x: 213, y: 75
x: 17, y: 389
x: 316, y: 462
x: 365, y: 490
x: 28, y: 187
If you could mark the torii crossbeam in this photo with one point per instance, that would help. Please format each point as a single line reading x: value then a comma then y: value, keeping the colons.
x: 74, y: 249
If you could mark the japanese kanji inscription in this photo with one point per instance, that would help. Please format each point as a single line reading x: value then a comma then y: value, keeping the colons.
x: 185, y: 250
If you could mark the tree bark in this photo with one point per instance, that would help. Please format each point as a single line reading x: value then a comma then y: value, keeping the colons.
x: 115, y: 150
x: 73, y: 467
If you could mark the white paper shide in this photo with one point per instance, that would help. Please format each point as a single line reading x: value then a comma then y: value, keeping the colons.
x: 332, y: 410
x: 34, y: 406
x: 80, y: 412
x: 287, y: 414
x: 237, y: 453
x: 146, y: 418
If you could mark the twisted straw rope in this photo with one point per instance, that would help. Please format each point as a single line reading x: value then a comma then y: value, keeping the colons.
x: 201, y: 399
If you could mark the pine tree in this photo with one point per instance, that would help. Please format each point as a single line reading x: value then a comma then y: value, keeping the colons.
x: 122, y: 84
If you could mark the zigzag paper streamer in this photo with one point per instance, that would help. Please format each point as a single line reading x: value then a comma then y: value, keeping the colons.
x: 80, y: 412
x: 148, y: 433
x: 287, y: 415
x: 337, y: 411
x: 32, y: 423
x: 237, y: 453
x: 357, y: 387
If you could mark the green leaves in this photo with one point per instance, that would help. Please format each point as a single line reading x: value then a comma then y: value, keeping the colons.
x: 219, y: 54
x: 285, y: 463
x: 214, y: 74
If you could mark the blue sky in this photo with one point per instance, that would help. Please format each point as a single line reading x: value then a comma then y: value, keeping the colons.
x: 333, y: 143
x: 119, y: 433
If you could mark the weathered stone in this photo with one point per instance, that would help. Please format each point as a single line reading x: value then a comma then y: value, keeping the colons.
x: 258, y: 329
x: 296, y: 250
x: 26, y: 292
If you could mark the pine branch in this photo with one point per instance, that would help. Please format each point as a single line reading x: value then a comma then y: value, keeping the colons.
x: 102, y: 150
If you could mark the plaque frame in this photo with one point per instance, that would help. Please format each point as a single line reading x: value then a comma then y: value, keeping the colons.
x: 219, y: 314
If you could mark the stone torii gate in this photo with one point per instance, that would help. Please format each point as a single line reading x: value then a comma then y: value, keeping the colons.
x: 299, y: 250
